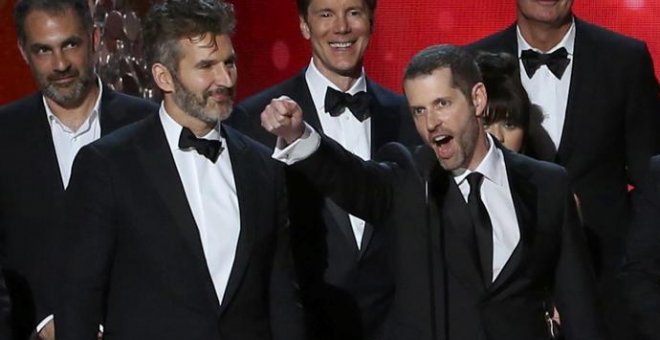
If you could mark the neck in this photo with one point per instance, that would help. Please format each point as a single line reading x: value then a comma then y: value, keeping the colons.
x: 73, y: 116
x: 199, y: 127
x: 541, y: 35
x: 480, y: 151
x: 343, y: 81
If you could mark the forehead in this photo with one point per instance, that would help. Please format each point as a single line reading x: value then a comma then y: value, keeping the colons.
x: 206, y: 46
x: 335, y: 4
x: 426, y: 88
x: 51, y: 26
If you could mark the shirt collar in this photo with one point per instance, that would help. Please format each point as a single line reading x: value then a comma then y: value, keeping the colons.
x: 568, y: 41
x: 318, y: 85
x: 96, y: 111
x: 492, y: 166
x: 173, y: 130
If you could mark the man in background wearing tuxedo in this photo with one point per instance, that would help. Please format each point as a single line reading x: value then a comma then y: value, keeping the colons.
x: 599, y: 95
x: 178, y: 225
x: 341, y: 262
x: 41, y: 135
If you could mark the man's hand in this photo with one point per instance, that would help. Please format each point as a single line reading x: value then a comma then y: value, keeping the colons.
x: 48, y: 332
x: 283, y: 118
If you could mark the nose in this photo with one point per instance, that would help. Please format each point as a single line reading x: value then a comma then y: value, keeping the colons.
x: 342, y: 25
x: 225, y: 75
x: 60, y: 62
x: 433, y: 120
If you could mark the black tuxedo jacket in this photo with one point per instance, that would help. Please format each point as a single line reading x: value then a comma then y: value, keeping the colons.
x: 5, y: 329
x: 347, y: 291
x: 31, y: 194
x: 610, y: 129
x: 642, y: 270
x: 439, y: 292
x: 136, y: 263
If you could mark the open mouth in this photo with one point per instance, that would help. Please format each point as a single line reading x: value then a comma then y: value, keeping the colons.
x: 442, y: 140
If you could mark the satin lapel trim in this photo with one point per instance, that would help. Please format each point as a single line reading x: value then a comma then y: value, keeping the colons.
x: 384, y: 120
x: 242, y: 161
x: 156, y: 157
x: 524, y: 197
x: 580, y: 93
x: 304, y: 99
x: 460, y: 244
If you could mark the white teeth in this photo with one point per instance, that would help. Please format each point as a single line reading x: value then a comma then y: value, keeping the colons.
x: 439, y: 139
x: 341, y: 44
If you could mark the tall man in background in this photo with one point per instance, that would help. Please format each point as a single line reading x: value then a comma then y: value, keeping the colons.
x: 599, y: 94
x: 341, y: 262
x: 41, y: 135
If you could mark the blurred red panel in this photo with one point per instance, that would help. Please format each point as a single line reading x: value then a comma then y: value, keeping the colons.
x: 270, y: 47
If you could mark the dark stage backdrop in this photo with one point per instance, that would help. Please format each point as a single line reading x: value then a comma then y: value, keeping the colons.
x: 270, y: 47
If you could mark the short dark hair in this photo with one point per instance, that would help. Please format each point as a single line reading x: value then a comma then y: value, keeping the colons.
x: 171, y: 20
x: 507, y: 98
x: 25, y: 7
x: 464, y: 71
x: 303, y: 5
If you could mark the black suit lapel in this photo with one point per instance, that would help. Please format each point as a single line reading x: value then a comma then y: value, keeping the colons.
x: 384, y: 119
x: 155, y: 156
x: 524, y: 200
x: 581, y: 92
x: 460, y: 244
x: 39, y: 146
x: 304, y: 99
x: 243, y: 160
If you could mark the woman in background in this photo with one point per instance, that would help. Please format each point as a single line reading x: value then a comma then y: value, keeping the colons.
x: 510, y: 116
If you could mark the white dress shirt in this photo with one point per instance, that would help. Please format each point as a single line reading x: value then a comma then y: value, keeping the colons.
x: 68, y: 142
x: 496, y: 195
x: 495, y: 191
x: 211, y: 193
x: 352, y: 134
x: 545, y: 90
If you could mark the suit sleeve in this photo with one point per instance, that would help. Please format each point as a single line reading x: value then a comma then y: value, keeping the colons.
x: 575, y: 284
x: 641, y: 271
x: 641, y: 116
x: 362, y: 188
x: 89, y: 239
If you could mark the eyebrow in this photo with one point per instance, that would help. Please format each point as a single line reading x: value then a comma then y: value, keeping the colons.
x: 70, y: 40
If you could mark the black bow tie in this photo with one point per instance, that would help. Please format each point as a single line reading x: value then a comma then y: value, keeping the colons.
x: 556, y: 61
x: 210, y: 149
x: 336, y: 102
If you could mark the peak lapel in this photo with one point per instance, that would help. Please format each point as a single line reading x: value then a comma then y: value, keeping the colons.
x: 156, y: 157
x: 524, y: 196
x: 243, y: 161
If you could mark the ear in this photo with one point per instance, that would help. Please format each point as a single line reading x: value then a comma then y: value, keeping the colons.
x: 23, y: 53
x: 479, y: 99
x: 162, y: 77
x: 96, y: 38
x: 304, y: 28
